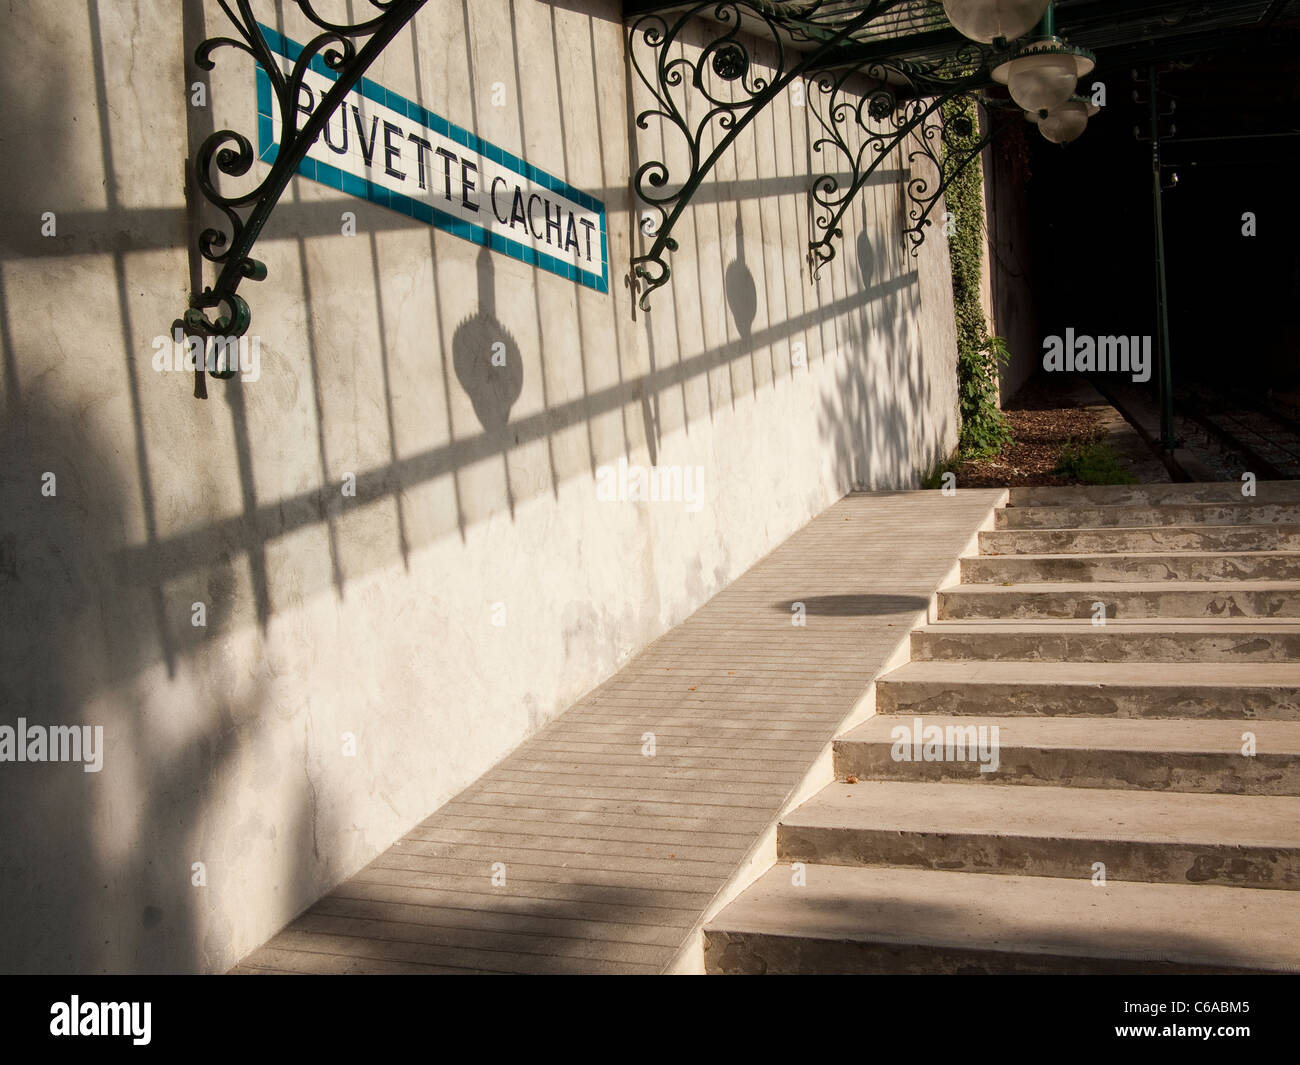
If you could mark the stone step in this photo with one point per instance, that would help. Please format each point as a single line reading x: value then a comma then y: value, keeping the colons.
x: 1127, y: 828
x: 1152, y: 599
x: 898, y: 921
x: 1152, y: 755
x: 1250, y: 841
x: 1137, y: 515
x: 1154, y: 539
x: 1253, y: 691
x: 1154, y: 640
x: 1155, y: 494
x: 1129, y: 568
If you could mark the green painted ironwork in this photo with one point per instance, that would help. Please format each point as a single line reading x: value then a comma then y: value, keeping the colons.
x: 873, y: 104
x: 728, y: 53
x: 880, y: 124
x: 247, y: 213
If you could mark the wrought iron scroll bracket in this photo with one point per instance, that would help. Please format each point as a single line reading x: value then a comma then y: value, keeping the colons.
x: 863, y: 124
x: 729, y: 56
x: 950, y: 151
x: 246, y: 213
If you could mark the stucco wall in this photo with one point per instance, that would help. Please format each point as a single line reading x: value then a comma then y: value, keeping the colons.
x: 1008, y: 264
x: 377, y: 615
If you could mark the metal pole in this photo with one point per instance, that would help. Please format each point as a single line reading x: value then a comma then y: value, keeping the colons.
x: 1162, y: 290
x: 1047, y: 26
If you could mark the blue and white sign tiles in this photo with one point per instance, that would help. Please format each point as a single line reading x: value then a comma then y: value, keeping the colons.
x: 389, y: 150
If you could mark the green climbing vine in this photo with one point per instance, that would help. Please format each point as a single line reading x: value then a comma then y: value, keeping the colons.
x: 984, y: 428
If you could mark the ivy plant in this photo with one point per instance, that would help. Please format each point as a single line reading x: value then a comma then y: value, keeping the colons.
x: 984, y: 428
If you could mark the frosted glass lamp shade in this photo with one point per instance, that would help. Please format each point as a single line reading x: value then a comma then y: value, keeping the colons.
x: 1042, y: 82
x: 1067, y: 122
x: 1044, y: 74
x: 986, y: 20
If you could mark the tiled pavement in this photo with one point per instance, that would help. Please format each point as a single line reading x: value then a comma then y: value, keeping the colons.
x: 611, y: 856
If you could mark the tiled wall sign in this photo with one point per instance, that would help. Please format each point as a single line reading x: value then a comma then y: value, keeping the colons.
x: 390, y: 150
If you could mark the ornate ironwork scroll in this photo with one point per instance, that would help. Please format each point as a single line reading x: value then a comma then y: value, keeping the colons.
x: 246, y: 213
x: 869, y: 111
x: 949, y: 148
x: 670, y: 74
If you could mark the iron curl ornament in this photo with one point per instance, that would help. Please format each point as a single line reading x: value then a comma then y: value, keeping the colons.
x: 727, y: 95
x: 228, y: 152
x: 868, y: 112
x: 950, y: 146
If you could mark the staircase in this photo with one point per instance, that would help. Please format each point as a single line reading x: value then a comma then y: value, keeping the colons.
x: 1116, y: 649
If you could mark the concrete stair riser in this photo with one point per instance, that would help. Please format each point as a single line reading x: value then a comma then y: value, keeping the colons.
x: 1130, y: 569
x: 1223, y: 864
x: 771, y: 954
x: 977, y: 602
x: 1124, y: 541
x: 877, y: 920
x: 1121, y: 701
x: 1121, y: 494
x: 1218, y: 773
x: 1103, y: 517
x: 1105, y: 644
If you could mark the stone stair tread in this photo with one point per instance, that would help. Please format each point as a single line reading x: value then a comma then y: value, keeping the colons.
x: 1100, y: 674
x: 1122, y: 540
x: 1193, y: 925
x: 1076, y: 639
x: 1153, y: 494
x: 1051, y: 812
x: 1139, y: 735
x: 1134, y: 625
x: 1167, y: 552
x: 1118, y: 587
x: 1193, y: 529
x: 1094, y: 516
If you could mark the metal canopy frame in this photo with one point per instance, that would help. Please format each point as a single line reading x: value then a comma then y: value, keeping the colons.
x: 883, y: 70
x: 728, y: 54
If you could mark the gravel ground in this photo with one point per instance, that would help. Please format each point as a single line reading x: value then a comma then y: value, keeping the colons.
x: 1043, y: 420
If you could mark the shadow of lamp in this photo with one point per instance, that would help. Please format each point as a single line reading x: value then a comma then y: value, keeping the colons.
x: 485, y: 356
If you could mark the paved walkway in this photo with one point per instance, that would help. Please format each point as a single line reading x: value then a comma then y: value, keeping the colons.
x: 611, y: 855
